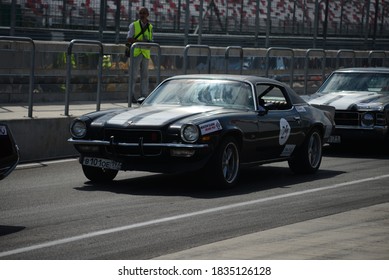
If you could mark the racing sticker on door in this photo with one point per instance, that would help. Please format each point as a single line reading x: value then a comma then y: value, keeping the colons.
x: 284, y: 131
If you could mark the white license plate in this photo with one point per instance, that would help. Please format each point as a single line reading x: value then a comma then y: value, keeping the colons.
x: 102, y: 163
x: 334, y: 139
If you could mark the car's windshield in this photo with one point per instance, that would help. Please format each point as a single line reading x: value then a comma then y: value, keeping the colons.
x: 375, y: 82
x: 187, y: 92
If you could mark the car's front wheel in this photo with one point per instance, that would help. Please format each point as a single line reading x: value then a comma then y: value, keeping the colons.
x: 223, y: 168
x: 96, y: 174
x: 308, y: 157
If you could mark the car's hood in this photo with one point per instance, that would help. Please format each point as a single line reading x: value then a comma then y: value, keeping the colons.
x: 156, y: 115
x: 348, y: 100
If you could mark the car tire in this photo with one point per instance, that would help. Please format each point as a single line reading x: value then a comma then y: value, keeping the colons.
x: 308, y: 157
x: 96, y: 174
x: 223, y: 169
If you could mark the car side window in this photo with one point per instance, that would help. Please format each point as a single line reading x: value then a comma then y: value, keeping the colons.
x: 272, y: 97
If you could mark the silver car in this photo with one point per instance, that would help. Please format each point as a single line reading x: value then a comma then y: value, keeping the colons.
x: 361, y: 99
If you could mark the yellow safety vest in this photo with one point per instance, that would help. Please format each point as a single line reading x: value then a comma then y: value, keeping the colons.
x: 148, y: 34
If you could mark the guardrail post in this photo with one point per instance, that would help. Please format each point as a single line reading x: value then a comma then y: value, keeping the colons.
x: 374, y: 52
x: 69, y: 70
x: 269, y: 50
x: 32, y: 68
x: 227, y: 52
x: 132, y: 70
x: 186, y: 50
x: 306, y: 66
x: 344, y: 51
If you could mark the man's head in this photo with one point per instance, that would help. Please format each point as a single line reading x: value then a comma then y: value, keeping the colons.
x: 143, y: 13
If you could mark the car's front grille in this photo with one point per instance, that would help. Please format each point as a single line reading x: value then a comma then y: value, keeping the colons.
x: 347, y: 118
x: 138, y: 137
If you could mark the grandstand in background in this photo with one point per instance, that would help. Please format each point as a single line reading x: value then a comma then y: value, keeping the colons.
x: 342, y: 18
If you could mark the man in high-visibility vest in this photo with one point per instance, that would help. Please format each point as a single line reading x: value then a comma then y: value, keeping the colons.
x: 141, y: 31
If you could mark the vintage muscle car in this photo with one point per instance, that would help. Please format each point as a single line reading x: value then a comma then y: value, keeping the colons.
x: 9, y: 151
x: 217, y: 124
x: 361, y: 99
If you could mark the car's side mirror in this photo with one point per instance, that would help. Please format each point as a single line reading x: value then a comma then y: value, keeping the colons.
x: 140, y: 100
x: 9, y: 152
x: 262, y: 110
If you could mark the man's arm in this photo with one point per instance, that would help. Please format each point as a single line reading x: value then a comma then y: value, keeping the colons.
x: 130, y: 34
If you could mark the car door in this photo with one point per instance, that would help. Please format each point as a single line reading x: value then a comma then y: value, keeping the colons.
x: 279, y: 128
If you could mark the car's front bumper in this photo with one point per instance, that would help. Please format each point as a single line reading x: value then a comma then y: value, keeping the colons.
x: 355, y: 133
x: 153, y: 157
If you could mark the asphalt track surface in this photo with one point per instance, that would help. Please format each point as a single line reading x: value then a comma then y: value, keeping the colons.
x: 49, y: 210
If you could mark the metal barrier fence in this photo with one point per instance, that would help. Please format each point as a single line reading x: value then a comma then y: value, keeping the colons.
x: 304, y: 70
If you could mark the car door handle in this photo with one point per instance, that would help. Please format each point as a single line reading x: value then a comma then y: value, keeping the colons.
x: 297, y: 119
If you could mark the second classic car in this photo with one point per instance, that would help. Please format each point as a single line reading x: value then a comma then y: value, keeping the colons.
x: 213, y: 123
x: 361, y: 99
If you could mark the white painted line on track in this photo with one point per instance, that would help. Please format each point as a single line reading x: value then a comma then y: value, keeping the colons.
x: 182, y: 216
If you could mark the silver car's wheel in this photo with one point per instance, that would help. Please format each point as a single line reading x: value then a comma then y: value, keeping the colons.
x: 308, y: 157
x: 224, y: 166
x: 96, y: 174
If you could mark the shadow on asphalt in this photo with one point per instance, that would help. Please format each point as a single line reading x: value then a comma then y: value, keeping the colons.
x: 4, y: 230
x: 361, y: 149
x: 251, y: 180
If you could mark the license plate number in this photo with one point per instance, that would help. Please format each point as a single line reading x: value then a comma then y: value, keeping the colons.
x: 334, y: 139
x: 102, y: 163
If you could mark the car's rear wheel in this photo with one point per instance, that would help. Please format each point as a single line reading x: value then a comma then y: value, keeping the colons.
x: 223, y: 169
x: 96, y: 174
x: 308, y: 157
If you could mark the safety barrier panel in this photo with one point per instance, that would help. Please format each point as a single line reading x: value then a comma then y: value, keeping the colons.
x: 69, y: 68
x: 298, y: 70
x: 32, y: 67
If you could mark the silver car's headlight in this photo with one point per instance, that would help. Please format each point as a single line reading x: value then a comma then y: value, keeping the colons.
x: 78, y: 129
x: 367, y: 119
x: 190, y: 133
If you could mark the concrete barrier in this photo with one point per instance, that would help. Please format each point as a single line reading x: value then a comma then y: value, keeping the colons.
x: 42, y: 139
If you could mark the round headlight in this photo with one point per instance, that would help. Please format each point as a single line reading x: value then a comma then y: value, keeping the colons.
x: 190, y: 133
x: 78, y: 129
x: 367, y: 120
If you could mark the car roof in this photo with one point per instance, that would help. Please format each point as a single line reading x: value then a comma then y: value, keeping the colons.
x: 363, y: 70
x: 232, y: 77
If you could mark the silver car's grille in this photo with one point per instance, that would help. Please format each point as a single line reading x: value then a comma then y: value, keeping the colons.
x: 347, y: 118
x: 137, y: 137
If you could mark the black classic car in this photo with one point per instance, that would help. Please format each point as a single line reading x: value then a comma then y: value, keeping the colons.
x: 361, y: 99
x: 9, y: 151
x: 217, y: 124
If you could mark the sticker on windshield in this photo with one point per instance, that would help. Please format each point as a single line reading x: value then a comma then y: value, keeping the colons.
x: 210, y: 127
x: 284, y: 131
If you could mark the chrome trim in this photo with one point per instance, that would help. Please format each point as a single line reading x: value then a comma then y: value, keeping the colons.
x: 376, y: 127
x: 108, y: 143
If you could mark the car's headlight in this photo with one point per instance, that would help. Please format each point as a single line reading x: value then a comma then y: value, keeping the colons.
x: 190, y: 133
x: 78, y: 129
x: 367, y: 119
